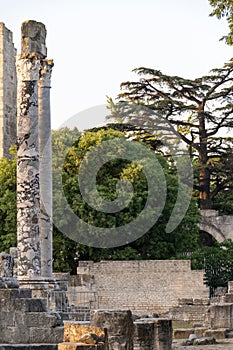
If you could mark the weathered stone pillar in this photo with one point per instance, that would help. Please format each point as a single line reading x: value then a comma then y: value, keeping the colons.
x: 33, y: 50
x: 119, y: 326
x: 45, y: 151
x: 28, y: 191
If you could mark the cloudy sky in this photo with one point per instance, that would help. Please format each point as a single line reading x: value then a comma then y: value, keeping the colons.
x: 95, y: 45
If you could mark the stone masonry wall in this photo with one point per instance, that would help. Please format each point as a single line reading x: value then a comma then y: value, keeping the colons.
x: 8, y: 87
x: 145, y: 287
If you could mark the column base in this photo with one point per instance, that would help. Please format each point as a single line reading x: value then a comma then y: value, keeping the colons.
x: 39, y: 283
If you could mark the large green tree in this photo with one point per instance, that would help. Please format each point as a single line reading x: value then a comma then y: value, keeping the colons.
x: 154, y: 244
x: 199, y: 111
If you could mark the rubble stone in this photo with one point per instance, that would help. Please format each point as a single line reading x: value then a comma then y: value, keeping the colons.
x: 204, y: 341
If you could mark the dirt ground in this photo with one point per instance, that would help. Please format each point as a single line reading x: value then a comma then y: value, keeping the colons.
x: 222, y: 344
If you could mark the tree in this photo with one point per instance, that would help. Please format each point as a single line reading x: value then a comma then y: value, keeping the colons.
x: 217, y: 261
x: 223, y: 201
x: 156, y: 243
x: 198, y: 110
x: 224, y: 8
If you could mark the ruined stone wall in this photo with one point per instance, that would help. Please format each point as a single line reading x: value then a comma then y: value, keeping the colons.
x: 145, y: 287
x: 8, y: 88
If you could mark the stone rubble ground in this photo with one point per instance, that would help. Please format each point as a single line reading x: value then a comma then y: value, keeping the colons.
x: 223, y: 344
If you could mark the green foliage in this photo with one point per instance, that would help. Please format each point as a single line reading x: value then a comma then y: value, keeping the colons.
x: 7, y: 202
x: 64, y: 249
x: 217, y: 261
x: 222, y: 173
x: 198, y: 111
x: 155, y: 244
x: 224, y: 9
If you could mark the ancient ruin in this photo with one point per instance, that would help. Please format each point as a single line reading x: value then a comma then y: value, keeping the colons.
x: 110, y: 305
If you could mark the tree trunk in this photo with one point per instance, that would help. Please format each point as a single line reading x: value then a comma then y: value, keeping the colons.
x: 205, y: 200
x: 204, y: 172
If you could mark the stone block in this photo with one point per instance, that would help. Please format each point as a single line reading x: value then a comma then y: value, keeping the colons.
x: 74, y: 331
x: 216, y: 333
x: 27, y: 305
x: 8, y: 282
x: 153, y: 333
x: 25, y: 293
x: 221, y: 316
x: 7, y: 319
x: 183, y: 333
x: 228, y: 298
x: 205, y: 301
x: 230, y: 287
x: 144, y: 335
x: 199, y: 331
x: 185, y: 301
x: 79, y: 346
x: 14, y: 335
x: 46, y: 335
x: 119, y: 326
x: 163, y: 334
x: 7, y: 294
x: 35, y: 319
x: 6, y: 265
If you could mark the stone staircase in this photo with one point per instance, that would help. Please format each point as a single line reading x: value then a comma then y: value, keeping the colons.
x: 25, y: 322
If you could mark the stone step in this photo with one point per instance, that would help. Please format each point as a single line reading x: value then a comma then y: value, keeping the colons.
x: 75, y: 316
x: 23, y: 304
x: 28, y: 346
x: 31, y: 335
x: 15, y: 293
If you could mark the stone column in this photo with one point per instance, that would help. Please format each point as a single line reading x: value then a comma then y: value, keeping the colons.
x: 33, y: 50
x: 45, y: 151
x: 28, y: 191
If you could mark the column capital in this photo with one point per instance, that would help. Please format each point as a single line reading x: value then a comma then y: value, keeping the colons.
x: 45, y: 73
x: 28, y: 68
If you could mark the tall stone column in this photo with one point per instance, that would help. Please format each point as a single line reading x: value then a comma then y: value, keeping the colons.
x: 33, y: 51
x: 45, y: 151
x: 28, y: 191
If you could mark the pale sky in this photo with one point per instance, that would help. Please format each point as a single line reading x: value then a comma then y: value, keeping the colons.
x: 95, y: 45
